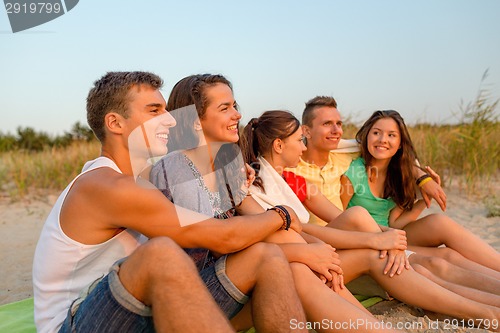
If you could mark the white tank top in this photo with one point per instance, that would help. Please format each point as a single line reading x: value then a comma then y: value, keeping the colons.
x: 62, y: 267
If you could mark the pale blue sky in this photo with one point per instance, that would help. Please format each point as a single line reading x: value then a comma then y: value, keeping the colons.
x: 418, y: 57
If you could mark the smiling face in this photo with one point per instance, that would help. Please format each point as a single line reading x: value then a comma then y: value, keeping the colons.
x: 292, y: 148
x: 148, y: 123
x: 326, y: 129
x: 221, y: 117
x: 384, y: 139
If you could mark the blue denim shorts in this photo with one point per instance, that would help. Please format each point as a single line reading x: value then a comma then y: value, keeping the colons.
x: 229, y: 298
x: 109, y: 307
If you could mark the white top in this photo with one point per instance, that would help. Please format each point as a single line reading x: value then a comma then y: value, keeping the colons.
x: 347, y: 146
x: 62, y: 267
x: 278, y: 192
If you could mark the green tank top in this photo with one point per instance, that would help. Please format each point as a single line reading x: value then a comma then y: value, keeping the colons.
x: 378, y: 208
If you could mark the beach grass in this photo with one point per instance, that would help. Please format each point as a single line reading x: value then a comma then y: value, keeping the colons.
x: 492, y: 204
x: 23, y: 172
x: 467, y: 153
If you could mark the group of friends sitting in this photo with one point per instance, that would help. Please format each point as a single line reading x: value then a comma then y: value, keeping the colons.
x: 187, y: 224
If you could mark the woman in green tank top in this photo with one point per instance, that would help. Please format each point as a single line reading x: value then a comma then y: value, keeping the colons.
x: 382, y: 181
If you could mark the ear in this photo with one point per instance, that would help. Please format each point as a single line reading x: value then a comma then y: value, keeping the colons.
x: 114, y: 122
x: 278, y: 146
x: 197, y: 125
x: 306, y: 131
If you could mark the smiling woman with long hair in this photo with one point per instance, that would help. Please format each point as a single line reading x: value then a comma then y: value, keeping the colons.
x: 383, y: 174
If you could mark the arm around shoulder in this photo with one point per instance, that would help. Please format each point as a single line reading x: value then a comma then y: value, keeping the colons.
x: 346, y: 190
x: 319, y: 205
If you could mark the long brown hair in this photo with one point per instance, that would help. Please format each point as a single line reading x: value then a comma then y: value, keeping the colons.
x: 259, y: 134
x: 400, y: 181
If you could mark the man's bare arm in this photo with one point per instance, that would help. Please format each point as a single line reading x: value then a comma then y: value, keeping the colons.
x: 120, y: 203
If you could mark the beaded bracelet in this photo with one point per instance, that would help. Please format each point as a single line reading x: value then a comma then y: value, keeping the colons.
x: 285, y: 216
x: 422, y: 178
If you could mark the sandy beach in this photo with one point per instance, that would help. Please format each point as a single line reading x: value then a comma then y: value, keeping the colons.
x: 22, y: 220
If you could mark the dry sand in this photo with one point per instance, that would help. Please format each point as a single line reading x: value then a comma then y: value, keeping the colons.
x: 21, y: 222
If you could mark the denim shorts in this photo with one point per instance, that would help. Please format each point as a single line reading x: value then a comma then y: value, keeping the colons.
x: 109, y: 307
x: 229, y: 298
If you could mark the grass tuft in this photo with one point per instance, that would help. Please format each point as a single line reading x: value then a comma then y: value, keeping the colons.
x: 51, y: 168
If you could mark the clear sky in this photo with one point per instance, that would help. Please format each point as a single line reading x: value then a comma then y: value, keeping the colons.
x: 418, y: 57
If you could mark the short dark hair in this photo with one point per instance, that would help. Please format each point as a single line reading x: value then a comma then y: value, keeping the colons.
x: 312, y: 104
x: 110, y: 94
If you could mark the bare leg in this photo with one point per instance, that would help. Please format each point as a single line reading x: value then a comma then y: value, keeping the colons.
x: 291, y: 236
x: 454, y: 268
x: 436, y: 229
x: 321, y: 303
x: 456, y: 259
x: 470, y: 293
x: 413, y: 288
x: 263, y: 270
x: 445, y: 270
x: 243, y: 319
x: 152, y: 273
x: 420, y: 232
x: 359, y: 220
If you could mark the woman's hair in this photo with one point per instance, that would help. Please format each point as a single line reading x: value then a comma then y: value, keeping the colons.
x: 188, y: 91
x: 259, y: 134
x: 400, y: 181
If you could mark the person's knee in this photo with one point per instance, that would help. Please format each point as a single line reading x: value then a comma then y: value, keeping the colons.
x: 422, y: 270
x: 285, y: 236
x: 360, y: 219
x: 264, y: 251
x: 440, y: 218
x: 436, y: 265
x: 160, y: 247
x: 369, y: 260
x: 154, y: 266
x: 449, y: 255
x: 440, y: 223
x: 160, y: 252
x: 268, y: 257
x: 359, y: 211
